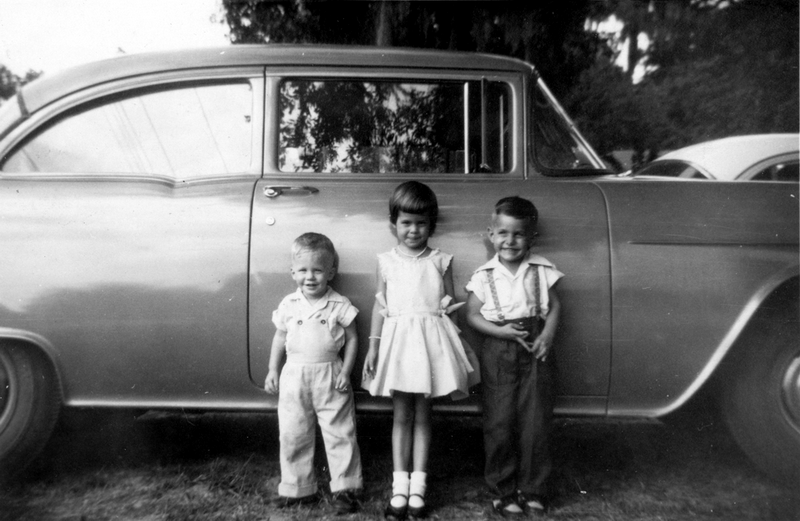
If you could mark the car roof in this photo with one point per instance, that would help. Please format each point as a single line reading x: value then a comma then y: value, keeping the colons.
x: 726, y: 158
x: 49, y: 88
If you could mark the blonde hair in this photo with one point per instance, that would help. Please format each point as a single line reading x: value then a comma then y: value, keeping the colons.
x: 315, y: 243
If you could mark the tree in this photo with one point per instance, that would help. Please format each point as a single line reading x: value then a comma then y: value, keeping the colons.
x: 715, y: 67
x: 735, y: 74
x: 10, y: 82
x: 614, y: 114
x: 549, y: 34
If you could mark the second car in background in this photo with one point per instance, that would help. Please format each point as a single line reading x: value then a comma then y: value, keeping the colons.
x: 759, y: 157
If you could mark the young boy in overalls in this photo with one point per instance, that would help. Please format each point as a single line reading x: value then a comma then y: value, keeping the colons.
x: 512, y: 300
x: 313, y: 324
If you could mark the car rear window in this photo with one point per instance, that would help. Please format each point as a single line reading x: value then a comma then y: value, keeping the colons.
x: 180, y: 132
x: 354, y: 126
x: 785, y: 171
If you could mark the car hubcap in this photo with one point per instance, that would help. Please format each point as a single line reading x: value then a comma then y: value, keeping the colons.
x: 790, y: 392
x: 8, y: 389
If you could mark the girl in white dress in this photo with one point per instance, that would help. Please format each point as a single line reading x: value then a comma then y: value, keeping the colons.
x: 415, y: 353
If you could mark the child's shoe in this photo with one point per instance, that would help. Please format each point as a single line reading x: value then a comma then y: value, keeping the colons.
x: 416, y: 495
x: 531, y: 503
x: 507, y: 507
x: 288, y: 502
x: 344, y: 502
x: 398, y: 505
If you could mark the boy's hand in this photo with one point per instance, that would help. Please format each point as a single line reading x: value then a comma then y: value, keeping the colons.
x: 514, y: 332
x: 541, y: 346
x: 271, y: 383
x: 342, y: 383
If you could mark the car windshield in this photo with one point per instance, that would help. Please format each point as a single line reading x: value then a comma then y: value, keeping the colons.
x: 557, y: 146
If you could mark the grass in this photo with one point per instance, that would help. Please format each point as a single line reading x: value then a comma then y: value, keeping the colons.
x: 106, y: 466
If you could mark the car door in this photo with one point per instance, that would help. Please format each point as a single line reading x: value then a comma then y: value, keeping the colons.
x: 338, y: 145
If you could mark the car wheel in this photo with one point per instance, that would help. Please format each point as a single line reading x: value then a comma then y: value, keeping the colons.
x: 761, y: 395
x: 29, y: 405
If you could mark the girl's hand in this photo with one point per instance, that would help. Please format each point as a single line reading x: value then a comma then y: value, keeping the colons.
x: 514, y: 332
x: 369, y: 363
x: 541, y: 346
x: 342, y: 382
x: 271, y: 383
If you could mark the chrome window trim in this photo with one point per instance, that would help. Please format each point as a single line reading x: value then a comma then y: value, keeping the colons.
x: 274, y: 76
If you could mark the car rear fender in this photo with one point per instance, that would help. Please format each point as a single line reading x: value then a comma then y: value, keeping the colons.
x: 759, y: 301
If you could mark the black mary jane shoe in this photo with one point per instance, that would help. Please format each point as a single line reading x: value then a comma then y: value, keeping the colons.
x: 418, y: 512
x: 394, y: 513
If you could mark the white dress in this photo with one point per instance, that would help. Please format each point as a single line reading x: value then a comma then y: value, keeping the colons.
x: 420, y: 350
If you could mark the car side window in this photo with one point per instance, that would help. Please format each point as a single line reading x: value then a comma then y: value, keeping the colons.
x: 353, y: 126
x: 785, y: 171
x: 180, y: 132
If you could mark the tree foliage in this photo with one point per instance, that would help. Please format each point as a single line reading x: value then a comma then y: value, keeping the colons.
x: 10, y: 82
x: 714, y: 67
x: 549, y: 33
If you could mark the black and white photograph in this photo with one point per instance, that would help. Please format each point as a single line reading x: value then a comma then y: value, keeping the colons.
x: 399, y: 260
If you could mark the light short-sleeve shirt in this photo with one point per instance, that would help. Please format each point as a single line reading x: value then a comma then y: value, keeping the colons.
x: 314, y: 329
x: 515, y: 291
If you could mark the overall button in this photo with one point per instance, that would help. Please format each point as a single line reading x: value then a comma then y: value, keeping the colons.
x: 299, y: 322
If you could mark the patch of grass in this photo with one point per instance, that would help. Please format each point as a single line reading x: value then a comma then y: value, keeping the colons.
x: 224, y: 467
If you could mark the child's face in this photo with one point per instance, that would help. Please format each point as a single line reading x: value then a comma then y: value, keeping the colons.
x: 511, y: 238
x: 412, y: 230
x: 312, y: 271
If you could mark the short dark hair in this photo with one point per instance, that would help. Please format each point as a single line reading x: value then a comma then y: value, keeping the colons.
x: 414, y: 197
x: 518, y: 208
x: 315, y: 243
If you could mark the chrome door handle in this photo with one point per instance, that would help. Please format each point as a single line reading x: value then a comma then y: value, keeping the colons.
x: 276, y: 190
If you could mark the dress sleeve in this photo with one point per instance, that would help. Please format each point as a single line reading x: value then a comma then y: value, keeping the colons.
x: 382, y: 260
x: 443, y: 261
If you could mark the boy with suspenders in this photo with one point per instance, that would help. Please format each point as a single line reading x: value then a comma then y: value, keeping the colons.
x: 513, y: 302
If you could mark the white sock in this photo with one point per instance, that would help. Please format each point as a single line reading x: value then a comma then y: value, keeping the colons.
x: 400, y: 484
x: 417, y: 489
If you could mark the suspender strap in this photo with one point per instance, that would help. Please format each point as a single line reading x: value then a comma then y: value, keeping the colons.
x: 493, y: 288
x: 537, y: 299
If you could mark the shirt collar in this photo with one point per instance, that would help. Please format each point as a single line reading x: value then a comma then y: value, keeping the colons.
x: 329, y: 296
x: 530, y: 258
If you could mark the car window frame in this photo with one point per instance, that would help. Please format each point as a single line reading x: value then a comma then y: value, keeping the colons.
x: 254, y: 75
x: 275, y: 75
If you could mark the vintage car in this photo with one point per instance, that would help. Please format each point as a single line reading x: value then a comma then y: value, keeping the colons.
x: 148, y: 204
x: 752, y: 157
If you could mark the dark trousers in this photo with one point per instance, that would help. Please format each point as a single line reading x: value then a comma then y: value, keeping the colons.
x: 517, y: 408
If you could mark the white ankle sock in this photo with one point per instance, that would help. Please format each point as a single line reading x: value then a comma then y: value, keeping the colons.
x: 417, y: 488
x: 400, y: 483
